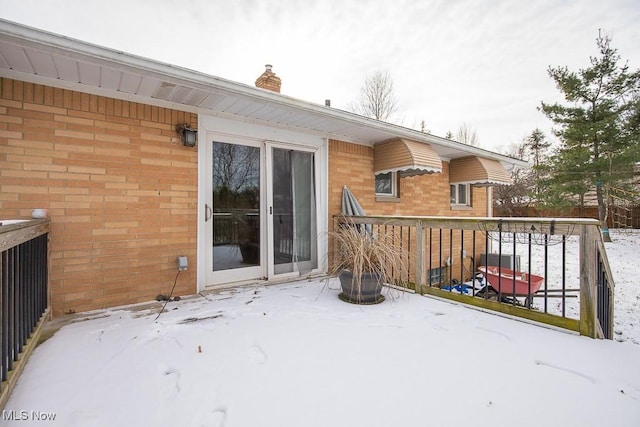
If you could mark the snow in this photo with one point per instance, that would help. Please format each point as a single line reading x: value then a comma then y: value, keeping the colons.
x: 295, y: 355
x: 12, y: 221
x: 623, y: 258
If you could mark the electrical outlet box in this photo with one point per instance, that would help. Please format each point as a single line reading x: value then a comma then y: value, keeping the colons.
x: 183, y: 263
x: 464, y: 254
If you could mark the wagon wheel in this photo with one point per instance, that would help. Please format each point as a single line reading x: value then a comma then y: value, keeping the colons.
x: 487, y: 292
x: 528, y: 301
x: 490, y: 293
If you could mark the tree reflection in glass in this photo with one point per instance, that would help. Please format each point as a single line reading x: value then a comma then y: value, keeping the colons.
x: 236, y: 206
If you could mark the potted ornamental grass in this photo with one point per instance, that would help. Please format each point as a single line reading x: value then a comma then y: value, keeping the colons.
x: 365, y: 260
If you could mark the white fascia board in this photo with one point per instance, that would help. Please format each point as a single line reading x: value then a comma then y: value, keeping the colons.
x: 38, y: 39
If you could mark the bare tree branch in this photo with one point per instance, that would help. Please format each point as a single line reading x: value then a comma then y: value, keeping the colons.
x: 467, y: 135
x: 377, y: 97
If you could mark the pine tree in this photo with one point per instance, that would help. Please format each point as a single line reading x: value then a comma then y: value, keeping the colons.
x: 537, y: 145
x: 597, y: 145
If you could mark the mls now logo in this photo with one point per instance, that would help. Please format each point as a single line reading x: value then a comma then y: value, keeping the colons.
x: 15, y: 415
x: 28, y: 415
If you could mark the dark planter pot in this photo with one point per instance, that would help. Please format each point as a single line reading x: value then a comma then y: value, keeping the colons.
x: 368, y: 293
x: 250, y: 253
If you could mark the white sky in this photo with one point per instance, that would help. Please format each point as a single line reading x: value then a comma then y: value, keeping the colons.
x: 483, y: 63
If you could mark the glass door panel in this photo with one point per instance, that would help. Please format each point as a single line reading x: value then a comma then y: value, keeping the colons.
x: 236, y: 208
x: 294, y: 211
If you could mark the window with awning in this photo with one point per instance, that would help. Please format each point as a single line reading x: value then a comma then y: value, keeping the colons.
x: 478, y: 171
x: 405, y: 157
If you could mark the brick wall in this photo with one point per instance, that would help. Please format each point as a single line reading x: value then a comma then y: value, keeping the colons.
x: 424, y: 195
x: 120, y: 187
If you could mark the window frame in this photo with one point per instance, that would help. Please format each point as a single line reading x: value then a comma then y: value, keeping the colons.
x: 394, y: 186
x: 437, y: 275
x: 455, y: 200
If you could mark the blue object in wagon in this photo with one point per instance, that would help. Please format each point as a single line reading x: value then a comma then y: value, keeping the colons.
x: 461, y: 288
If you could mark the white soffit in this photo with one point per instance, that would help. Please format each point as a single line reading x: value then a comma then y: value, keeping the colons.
x: 41, y: 57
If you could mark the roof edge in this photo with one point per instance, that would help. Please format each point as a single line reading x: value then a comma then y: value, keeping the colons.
x: 34, y: 36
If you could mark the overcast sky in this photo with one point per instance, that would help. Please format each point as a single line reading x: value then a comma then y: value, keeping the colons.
x: 483, y: 63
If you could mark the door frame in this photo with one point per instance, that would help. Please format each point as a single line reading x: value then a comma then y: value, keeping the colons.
x: 250, y: 273
x: 225, y: 130
x: 269, y: 146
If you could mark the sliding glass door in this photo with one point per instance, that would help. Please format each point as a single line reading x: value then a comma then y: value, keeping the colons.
x: 293, y: 212
x: 261, y: 217
x: 236, y: 214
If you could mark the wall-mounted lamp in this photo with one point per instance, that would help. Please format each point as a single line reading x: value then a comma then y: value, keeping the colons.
x: 188, y: 134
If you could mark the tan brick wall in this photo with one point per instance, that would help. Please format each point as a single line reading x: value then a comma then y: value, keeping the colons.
x: 120, y: 187
x: 424, y: 195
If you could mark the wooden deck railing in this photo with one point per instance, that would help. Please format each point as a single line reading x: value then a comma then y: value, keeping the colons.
x: 24, y: 296
x: 443, y: 255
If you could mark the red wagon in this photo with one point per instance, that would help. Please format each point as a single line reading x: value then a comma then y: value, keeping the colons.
x: 502, y: 281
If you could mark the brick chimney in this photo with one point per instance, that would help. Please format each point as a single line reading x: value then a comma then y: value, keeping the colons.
x: 269, y: 80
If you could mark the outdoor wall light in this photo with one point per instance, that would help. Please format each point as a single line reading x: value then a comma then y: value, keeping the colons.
x: 188, y: 134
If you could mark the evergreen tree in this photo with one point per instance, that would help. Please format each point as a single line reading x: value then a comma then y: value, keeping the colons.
x: 597, y: 141
x: 537, y: 145
x: 632, y: 131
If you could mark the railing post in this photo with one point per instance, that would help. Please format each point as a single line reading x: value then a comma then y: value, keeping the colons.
x: 421, y: 267
x: 588, y: 315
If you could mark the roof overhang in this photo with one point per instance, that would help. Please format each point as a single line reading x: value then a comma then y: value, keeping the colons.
x: 406, y: 157
x: 37, y: 56
x: 478, y: 171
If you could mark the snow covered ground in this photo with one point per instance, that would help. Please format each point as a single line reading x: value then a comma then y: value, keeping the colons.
x: 295, y: 355
x: 625, y: 266
x: 622, y: 254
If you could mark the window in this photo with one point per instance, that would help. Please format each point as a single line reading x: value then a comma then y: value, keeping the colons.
x: 387, y: 184
x: 460, y: 194
x: 437, y: 275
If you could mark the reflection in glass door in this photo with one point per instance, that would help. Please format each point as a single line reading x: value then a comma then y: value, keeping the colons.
x: 236, y: 211
x: 294, y: 211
